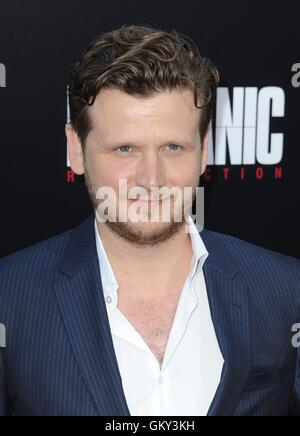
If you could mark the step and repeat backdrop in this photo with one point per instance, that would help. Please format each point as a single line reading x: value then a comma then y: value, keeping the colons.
x: 253, y: 177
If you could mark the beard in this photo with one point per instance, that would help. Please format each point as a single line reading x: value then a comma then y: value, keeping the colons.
x: 140, y: 234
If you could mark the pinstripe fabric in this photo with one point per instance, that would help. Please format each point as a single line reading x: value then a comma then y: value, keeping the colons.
x: 60, y: 359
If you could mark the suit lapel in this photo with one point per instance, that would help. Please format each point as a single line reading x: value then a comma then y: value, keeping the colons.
x: 228, y: 297
x: 81, y: 301
x: 80, y: 297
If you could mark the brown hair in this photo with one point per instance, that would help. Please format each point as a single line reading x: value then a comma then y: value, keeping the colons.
x: 140, y: 60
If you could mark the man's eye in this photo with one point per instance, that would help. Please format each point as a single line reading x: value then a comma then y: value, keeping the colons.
x: 124, y: 148
x: 174, y: 146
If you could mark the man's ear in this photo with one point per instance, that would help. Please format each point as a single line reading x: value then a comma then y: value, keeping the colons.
x: 76, y: 155
x: 204, y: 152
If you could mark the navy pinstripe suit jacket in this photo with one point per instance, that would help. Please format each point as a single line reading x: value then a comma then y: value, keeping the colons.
x: 59, y: 357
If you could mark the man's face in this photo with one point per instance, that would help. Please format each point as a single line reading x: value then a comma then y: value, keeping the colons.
x: 149, y: 142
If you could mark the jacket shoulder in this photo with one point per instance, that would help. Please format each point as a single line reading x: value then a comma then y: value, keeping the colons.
x: 37, y: 257
x: 259, y: 262
x: 27, y: 276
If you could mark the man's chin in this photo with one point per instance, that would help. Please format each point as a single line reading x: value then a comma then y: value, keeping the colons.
x: 145, y: 233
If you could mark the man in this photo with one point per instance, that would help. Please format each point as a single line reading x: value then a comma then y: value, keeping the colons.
x: 146, y: 317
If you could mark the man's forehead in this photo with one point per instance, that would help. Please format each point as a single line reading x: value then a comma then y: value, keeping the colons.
x: 114, y: 109
x: 160, y: 103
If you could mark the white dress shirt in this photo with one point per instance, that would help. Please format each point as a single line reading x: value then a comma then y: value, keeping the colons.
x: 186, y: 383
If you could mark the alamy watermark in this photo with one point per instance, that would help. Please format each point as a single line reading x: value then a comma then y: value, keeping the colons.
x: 296, y: 337
x: 2, y: 76
x: 176, y: 204
x: 296, y: 76
x: 2, y: 85
x: 2, y: 336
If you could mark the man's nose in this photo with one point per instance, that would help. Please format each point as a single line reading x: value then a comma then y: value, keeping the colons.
x: 150, y: 171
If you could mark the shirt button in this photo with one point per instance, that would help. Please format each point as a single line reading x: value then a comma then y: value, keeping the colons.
x: 161, y: 380
x: 108, y: 300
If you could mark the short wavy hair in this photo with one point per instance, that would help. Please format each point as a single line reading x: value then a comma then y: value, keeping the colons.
x: 141, y: 61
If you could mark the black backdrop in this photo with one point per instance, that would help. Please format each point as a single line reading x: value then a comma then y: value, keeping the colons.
x: 254, y: 45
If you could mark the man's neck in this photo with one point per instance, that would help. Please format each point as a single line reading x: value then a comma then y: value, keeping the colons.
x: 159, y: 264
